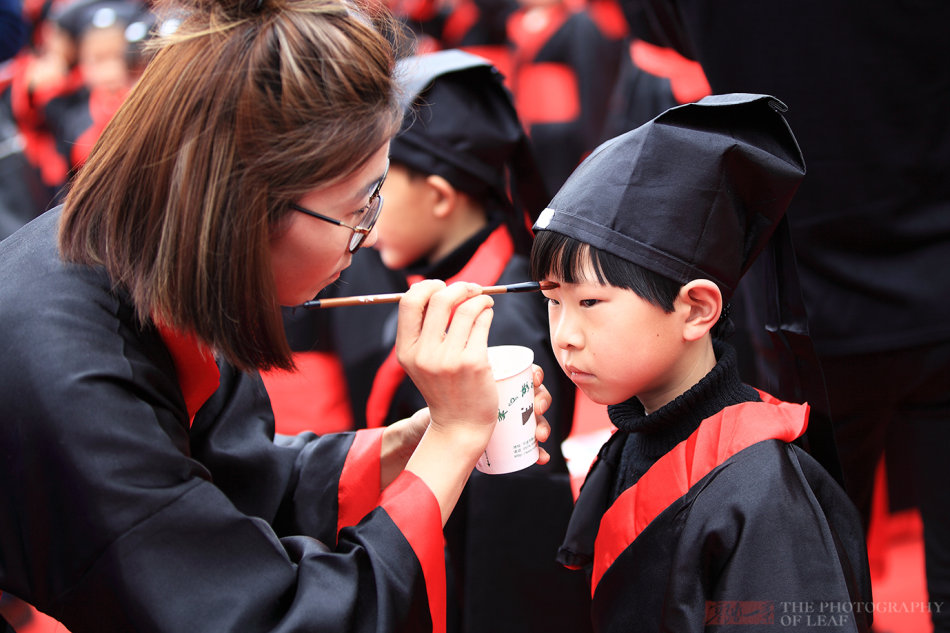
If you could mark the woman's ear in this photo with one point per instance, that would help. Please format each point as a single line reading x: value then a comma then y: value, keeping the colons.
x: 704, y: 301
x: 445, y: 196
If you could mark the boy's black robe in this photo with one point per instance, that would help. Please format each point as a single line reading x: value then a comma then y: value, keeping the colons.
x: 734, y: 527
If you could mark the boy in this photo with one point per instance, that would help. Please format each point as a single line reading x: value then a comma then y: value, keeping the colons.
x: 700, y: 510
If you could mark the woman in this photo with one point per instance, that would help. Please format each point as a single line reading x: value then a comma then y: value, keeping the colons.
x: 141, y: 486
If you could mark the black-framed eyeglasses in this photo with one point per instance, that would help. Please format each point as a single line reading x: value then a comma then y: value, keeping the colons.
x: 366, y: 223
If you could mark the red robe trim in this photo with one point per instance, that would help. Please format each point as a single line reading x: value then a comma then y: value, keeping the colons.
x: 530, y: 29
x: 102, y: 105
x: 298, y: 407
x: 545, y: 92
x: 687, y: 79
x: 716, y: 440
x: 198, y: 374
x: 360, y: 481
x: 416, y: 513
x: 39, y: 144
x: 484, y: 268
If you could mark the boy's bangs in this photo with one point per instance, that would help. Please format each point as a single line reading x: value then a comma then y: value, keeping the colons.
x: 567, y: 259
x: 564, y: 258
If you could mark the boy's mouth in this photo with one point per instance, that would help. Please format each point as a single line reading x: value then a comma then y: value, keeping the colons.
x: 576, y: 374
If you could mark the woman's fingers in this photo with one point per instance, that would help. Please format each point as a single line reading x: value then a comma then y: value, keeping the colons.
x: 412, y: 311
x: 470, y: 321
x: 541, y: 434
x: 442, y: 342
x: 542, y: 397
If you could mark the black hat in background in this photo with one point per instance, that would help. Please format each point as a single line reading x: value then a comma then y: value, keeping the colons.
x: 79, y: 16
x: 461, y: 124
x: 700, y: 192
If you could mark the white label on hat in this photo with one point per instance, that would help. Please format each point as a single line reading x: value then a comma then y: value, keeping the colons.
x: 545, y: 218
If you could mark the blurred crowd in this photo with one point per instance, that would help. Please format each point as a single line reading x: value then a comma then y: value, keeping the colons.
x: 74, y: 63
x: 576, y: 75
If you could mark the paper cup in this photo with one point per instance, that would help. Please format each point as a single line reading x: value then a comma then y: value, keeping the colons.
x: 513, y: 445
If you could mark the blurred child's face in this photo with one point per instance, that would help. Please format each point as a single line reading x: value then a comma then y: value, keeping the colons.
x: 406, y: 231
x: 615, y: 345
x: 102, y: 60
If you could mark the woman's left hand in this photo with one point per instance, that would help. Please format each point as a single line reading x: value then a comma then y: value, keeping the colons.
x: 399, y: 441
x: 542, y: 402
x: 401, y: 438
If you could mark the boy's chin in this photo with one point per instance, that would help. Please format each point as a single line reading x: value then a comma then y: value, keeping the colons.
x: 599, y: 397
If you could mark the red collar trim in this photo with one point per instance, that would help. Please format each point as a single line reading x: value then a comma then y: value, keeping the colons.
x: 198, y: 374
x: 716, y: 440
x: 489, y: 261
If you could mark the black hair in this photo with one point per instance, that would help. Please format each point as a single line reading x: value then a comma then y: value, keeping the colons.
x: 568, y: 259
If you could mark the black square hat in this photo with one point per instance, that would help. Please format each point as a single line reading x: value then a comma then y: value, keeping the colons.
x: 694, y: 193
x: 460, y: 123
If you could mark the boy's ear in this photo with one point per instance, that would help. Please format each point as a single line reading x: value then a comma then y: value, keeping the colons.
x: 704, y: 301
x: 445, y: 195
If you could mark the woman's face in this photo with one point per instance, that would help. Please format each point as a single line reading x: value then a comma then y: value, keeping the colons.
x: 308, y: 253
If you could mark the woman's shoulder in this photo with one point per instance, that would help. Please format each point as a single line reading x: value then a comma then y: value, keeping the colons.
x: 37, y: 280
x: 51, y: 309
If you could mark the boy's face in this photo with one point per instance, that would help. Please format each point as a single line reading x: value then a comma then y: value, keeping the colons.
x: 102, y: 60
x: 407, y: 230
x: 615, y: 345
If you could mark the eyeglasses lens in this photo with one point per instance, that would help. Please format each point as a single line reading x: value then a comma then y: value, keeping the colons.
x: 365, y: 227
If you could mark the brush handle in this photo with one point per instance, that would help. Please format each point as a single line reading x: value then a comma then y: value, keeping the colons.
x: 394, y: 297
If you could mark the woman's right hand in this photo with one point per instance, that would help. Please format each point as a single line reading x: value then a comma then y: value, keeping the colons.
x: 442, y: 342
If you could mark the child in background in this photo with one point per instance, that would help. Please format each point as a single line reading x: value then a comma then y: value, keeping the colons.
x: 448, y: 215
x: 66, y: 87
x: 43, y: 70
x: 108, y: 35
x: 701, y: 509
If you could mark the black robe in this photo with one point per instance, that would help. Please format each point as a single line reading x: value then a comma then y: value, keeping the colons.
x: 121, y: 513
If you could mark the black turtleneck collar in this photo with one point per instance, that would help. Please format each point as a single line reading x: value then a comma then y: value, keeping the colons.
x: 650, y: 436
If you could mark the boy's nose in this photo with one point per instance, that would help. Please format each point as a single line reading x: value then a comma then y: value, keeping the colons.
x: 565, y: 333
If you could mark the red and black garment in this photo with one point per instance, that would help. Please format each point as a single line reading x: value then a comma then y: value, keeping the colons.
x: 159, y: 498
x: 28, y: 105
x: 77, y: 119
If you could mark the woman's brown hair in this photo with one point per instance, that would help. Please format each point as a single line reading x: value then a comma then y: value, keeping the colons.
x: 249, y: 106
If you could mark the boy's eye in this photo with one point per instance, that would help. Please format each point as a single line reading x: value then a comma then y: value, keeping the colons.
x: 551, y: 301
x: 589, y: 303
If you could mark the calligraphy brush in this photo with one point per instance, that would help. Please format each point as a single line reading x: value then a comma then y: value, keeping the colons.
x: 394, y: 297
